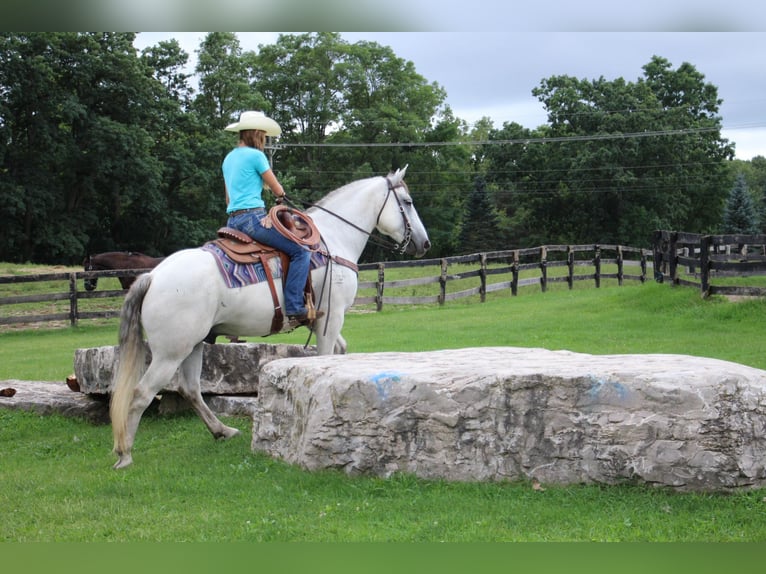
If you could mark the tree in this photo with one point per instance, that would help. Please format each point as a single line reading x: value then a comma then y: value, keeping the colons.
x: 223, y: 80
x: 740, y: 214
x: 131, y: 154
x: 76, y: 148
x: 339, y: 104
x: 597, y: 176
x: 480, y: 230
x: 754, y: 172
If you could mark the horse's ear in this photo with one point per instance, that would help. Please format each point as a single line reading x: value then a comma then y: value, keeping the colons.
x: 399, y: 174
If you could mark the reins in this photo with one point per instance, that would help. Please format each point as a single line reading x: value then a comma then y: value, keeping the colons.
x: 380, y: 241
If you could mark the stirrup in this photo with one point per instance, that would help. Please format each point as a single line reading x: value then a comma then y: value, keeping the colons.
x: 305, y: 319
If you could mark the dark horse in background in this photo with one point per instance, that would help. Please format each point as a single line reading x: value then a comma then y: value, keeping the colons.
x: 117, y: 260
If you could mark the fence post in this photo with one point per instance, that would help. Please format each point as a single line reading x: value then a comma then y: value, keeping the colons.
x: 619, y: 265
x: 643, y: 267
x: 673, y: 258
x: 570, y: 265
x: 515, y: 273
x: 483, y: 277
x: 443, y: 282
x: 380, y: 285
x: 73, y: 299
x: 705, y: 242
x: 597, y: 265
x: 658, y: 256
x: 543, y: 268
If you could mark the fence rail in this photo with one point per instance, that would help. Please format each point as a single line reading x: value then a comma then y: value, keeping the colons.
x: 512, y: 264
x: 494, y: 271
x: 681, y: 258
x: 73, y: 295
x: 694, y: 260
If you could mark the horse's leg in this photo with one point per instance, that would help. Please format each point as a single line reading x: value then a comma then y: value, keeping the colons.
x: 156, y: 376
x: 340, y: 345
x: 329, y: 339
x: 191, y: 370
x: 328, y: 327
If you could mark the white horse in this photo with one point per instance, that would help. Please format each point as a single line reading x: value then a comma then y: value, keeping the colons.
x: 184, y: 299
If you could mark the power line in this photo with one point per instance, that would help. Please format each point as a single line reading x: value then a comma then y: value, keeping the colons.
x: 516, y: 141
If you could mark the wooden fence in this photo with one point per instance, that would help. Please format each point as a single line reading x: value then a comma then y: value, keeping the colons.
x: 695, y: 260
x: 72, y: 294
x: 512, y: 264
x: 512, y: 269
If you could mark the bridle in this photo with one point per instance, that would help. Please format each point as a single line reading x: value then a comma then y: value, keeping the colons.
x: 401, y: 248
x: 381, y: 241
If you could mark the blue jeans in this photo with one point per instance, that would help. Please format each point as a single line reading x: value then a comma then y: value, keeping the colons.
x: 300, y: 257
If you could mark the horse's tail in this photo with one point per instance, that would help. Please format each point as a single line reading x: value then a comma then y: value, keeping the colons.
x: 132, y: 360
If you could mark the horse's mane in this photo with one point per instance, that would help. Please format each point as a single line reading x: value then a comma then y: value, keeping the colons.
x: 343, y: 189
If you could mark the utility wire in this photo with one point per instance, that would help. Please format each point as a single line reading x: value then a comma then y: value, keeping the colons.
x: 523, y: 141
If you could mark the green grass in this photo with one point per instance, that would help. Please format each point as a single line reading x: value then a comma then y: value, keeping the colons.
x: 58, y: 484
x: 648, y: 318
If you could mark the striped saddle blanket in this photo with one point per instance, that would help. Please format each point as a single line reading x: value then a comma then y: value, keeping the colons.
x: 242, y: 274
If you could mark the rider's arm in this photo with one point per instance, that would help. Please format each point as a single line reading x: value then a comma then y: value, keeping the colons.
x: 271, y: 181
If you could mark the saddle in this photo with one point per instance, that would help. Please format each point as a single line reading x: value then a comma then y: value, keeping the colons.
x: 242, y: 248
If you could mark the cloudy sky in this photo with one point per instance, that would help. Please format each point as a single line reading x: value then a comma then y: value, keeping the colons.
x: 493, y: 73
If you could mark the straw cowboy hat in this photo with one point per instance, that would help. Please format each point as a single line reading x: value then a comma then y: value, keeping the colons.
x: 255, y: 121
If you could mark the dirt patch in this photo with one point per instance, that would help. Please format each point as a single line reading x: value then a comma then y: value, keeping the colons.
x: 740, y: 298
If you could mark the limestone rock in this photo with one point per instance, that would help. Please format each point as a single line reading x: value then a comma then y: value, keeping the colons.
x: 47, y: 398
x: 507, y: 413
x: 227, y: 369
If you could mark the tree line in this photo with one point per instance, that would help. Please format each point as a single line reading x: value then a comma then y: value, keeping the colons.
x: 107, y: 148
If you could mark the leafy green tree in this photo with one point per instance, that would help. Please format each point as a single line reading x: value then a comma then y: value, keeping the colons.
x: 223, y: 80
x: 340, y: 104
x: 754, y: 172
x: 480, y: 229
x: 190, y: 200
x: 75, y: 147
x: 302, y: 80
x: 103, y: 148
x: 440, y: 177
x: 740, y: 214
x: 595, y: 176
x: 509, y: 167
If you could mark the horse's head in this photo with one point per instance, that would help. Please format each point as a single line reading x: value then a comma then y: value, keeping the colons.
x: 89, y: 282
x: 399, y: 220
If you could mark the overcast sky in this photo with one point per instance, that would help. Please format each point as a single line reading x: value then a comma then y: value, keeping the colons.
x: 493, y: 73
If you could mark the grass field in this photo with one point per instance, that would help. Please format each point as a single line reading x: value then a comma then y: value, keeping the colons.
x: 58, y: 484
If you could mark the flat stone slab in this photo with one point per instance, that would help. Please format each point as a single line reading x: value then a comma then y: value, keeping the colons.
x: 507, y: 413
x: 227, y: 369
x: 46, y: 398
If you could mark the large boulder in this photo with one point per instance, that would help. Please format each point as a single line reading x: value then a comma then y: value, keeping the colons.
x: 519, y: 413
x: 227, y: 369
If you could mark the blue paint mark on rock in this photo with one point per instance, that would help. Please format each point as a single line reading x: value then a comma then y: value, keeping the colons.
x: 600, y: 387
x: 384, y: 382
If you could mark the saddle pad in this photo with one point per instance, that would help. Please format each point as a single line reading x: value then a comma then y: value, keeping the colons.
x: 239, y: 274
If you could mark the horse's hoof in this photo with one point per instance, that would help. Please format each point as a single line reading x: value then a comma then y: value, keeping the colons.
x: 227, y: 433
x: 123, y: 461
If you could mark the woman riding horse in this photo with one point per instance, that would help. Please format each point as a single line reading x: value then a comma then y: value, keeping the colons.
x: 245, y: 170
